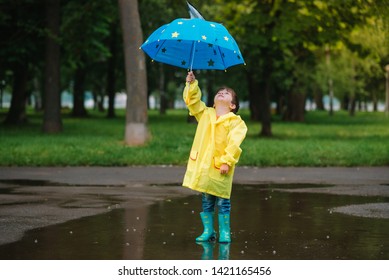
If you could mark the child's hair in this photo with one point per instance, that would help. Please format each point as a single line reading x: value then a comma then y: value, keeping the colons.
x: 235, y: 99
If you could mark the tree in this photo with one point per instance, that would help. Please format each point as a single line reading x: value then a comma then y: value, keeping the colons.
x: 83, y: 50
x: 111, y: 69
x: 52, y: 112
x: 357, y: 56
x: 21, y: 28
x: 136, y: 132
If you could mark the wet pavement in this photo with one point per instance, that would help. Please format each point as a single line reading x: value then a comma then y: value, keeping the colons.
x: 143, y: 213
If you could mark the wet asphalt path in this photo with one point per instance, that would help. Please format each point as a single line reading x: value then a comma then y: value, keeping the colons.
x: 33, y: 198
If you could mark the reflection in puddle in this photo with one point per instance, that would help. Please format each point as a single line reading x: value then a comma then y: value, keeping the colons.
x: 265, y: 224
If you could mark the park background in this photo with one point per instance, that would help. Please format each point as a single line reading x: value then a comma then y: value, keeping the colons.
x: 76, y: 90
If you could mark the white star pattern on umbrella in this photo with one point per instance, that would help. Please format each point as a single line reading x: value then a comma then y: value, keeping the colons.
x: 204, y: 37
x: 175, y: 34
x: 226, y: 38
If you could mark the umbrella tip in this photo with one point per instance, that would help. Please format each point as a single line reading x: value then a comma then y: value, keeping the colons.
x: 193, y: 11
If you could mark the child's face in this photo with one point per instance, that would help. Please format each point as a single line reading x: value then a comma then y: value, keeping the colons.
x: 224, y: 98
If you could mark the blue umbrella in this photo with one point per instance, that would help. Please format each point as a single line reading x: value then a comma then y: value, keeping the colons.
x: 193, y: 44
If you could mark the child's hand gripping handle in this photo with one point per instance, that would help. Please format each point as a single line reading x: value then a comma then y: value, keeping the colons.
x: 190, y: 77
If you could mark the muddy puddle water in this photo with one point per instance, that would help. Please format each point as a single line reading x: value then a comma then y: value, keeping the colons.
x: 266, y: 224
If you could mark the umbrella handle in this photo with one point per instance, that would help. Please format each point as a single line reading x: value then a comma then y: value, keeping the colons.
x: 192, y: 56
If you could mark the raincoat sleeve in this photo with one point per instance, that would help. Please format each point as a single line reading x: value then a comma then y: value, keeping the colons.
x: 235, y: 138
x: 192, y: 98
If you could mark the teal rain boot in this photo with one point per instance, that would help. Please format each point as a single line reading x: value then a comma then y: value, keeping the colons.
x: 224, y: 228
x: 209, y: 234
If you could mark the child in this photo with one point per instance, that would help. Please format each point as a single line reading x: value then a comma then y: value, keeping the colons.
x: 213, y: 156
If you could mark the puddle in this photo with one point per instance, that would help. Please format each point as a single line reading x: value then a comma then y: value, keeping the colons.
x: 266, y: 224
x: 42, y: 183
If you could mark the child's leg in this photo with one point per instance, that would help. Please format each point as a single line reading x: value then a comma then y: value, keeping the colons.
x: 208, y: 205
x: 224, y: 208
x: 223, y: 205
x: 208, y: 202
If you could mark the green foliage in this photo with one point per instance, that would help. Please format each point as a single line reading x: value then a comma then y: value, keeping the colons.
x: 282, y: 39
x: 97, y: 141
x: 22, y: 32
x: 285, y: 37
x: 84, y: 28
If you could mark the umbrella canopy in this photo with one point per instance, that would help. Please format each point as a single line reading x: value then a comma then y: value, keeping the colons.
x: 193, y: 44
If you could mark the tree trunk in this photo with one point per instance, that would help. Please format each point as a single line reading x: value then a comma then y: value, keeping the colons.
x: 254, y: 102
x: 295, y: 108
x: 387, y: 90
x: 318, y: 96
x: 111, y: 71
x: 163, y: 103
x: 17, y: 112
x: 136, y: 132
x: 264, y: 98
x: 52, y: 122
x: 78, y: 92
x: 352, y: 105
x: 330, y: 82
x: 375, y: 102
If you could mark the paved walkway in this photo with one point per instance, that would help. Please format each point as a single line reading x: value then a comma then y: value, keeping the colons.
x: 38, y: 197
x: 173, y: 175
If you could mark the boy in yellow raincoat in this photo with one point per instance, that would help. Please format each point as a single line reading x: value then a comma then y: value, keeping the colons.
x: 214, y: 154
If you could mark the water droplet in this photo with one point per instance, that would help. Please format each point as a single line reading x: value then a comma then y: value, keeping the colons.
x: 36, y: 241
x: 164, y: 243
x: 127, y: 244
x: 71, y: 232
x: 192, y: 212
x: 137, y: 218
x: 290, y: 215
x: 328, y: 237
x: 186, y: 203
x: 274, y: 252
x: 134, y: 229
x: 242, y: 252
x: 127, y: 230
x: 172, y: 234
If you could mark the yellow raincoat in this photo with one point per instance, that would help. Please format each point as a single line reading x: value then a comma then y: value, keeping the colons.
x: 217, y: 141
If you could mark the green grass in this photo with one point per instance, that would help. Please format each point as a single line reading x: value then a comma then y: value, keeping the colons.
x: 322, y: 140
